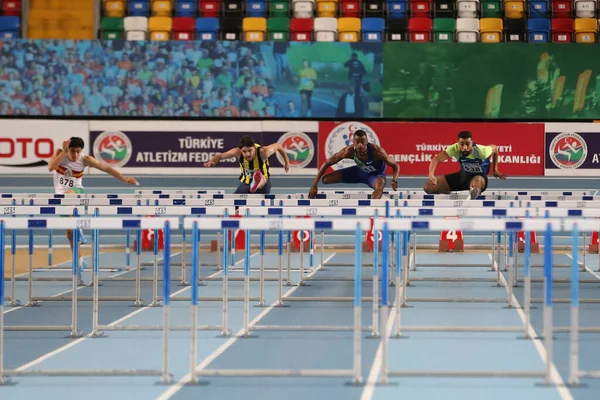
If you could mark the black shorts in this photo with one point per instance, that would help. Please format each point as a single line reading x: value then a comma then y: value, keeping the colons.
x: 461, y: 181
x: 244, y: 188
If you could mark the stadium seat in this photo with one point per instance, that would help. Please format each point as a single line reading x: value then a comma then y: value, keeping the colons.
x: 467, y: 30
x: 185, y: 9
x: 538, y: 30
x: 232, y: 8
x: 585, y: 8
x: 538, y: 9
x: 10, y: 27
x: 514, y: 9
x: 231, y: 28
x: 444, y: 30
x: 562, y: 9
x: 138, y: 8
x: 373, y: 9
x: 184, y: 28
x: 444, y: 9
x: 279, y: 8
x: 350, y: 8
x: 420, y: 8
x: 420, y: 29
x: 136, y: 28
x: 326, y: 29
x: 160, y: 28
x: 278, y: 28
x: 112, y: 28
x: 586, y: 30
x: 490, y: 30
x: 11, y: 8
x: 396, y: 30
x: 467, y: 8
x: 562, y: 30
x: 161, y: 8
x: 302, y: 29
x: 349, y: 29
x: 491, y: 9
x: 303, y: 8
x: 373, y: 29
x: 326, y: 9
x: 255, y: 29
x: 210, y: 8
x: 397, y: 9
x: 208, y: 29
x: 515, y: 30
x: 114, y: 8
x: 256, y: 8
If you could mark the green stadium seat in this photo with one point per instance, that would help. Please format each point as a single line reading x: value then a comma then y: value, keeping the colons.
x: 278, y: 28
x: 279, y: 8
x: 112, y: 28
x: 443, y: 29
x: 491, y: 9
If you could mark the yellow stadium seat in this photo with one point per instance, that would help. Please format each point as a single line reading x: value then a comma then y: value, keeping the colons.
x: 349, y: 29
x: 327, y: 9
x: 255, y: 29
x: 490, y: 30
x: 514, y: 9
x: 160, y: 28
x: 586, y: 30
x: 114, y: 8
x: 162, y: 8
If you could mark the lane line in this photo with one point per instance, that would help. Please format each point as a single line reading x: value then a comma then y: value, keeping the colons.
x: 116, y: 322
x: 375, y: 370
x: 211, y: 357
x: 588, y: 269
x: 564, y: 392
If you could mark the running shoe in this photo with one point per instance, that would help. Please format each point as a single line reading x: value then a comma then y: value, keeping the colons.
x: 82, y: 238
x: 473, y: 193
x: 256, y: 178
x: 82, y: 265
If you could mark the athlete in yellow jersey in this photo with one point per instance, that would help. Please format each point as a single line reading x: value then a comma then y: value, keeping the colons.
x: 254, y: 163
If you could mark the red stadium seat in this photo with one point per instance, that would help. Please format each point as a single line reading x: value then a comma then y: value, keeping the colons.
x: 183, y: 28
x: 302, y: 29
x: 209, y: 8
x: 562, y: 9
x: 420, y: 29
x: 420, y: 8
x: 350, y: 9
x: 562, y: 30
x: 11, y: 8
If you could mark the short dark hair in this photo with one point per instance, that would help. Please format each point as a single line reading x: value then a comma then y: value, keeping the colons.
x: 246, y: 141
x: 360, y: 133
x: 76, y: 142
x: 465, y: 135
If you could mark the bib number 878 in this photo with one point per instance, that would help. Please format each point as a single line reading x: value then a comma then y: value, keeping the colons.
x: 66, y: 182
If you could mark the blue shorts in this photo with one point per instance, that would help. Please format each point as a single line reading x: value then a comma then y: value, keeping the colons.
x: 356, y: 175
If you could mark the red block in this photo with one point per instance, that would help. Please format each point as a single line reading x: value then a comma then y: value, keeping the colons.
x: 535, y: 246
x: 369, y: 243
x: 451, y: 241
x: 240, y: 236
x: 148, y: 240
x: 593, y: 248
x: 304, y: 237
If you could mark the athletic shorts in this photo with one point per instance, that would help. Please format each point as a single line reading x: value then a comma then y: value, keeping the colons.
x: 356, y: 175
x: 244, y: 188
x: 461, y: 180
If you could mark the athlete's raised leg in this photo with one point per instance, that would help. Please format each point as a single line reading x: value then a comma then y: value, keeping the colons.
x: 378, y: 184
x: 82, y: 262
x: 476, y: 186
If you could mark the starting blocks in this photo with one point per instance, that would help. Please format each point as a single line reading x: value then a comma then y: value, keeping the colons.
x: 304, y: 237
x: 369, y: 243
x: 148, y: 239
x: 451, y: 241
x: 593, y: 247
x: 535, y: 246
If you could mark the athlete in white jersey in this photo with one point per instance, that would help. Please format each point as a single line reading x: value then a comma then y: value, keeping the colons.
x: 67, y: 166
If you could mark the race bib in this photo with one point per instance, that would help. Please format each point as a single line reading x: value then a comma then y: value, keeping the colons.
x: 368, y: 168
x: 64, y: 181
x: 472, y: 168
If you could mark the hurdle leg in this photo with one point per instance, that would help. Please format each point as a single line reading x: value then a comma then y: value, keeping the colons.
x: 498, y: 257
x: 13, y: 273
x: 392, y: 269
x: 280, y: 251
x: 155, y: 302
x: 218, y: 267
x: 515, y: 281
x: 2, y: 252
x: 398, y: 268
x: 74, y: 331
x: 311, y: 253
x: 584, y: 265
x: 405, y: 276
x: 138, y: 270
x: 233, y: 249
x: 505, y: 251
x: 574, y: 331
x: 301, y: 282
x: 414, y: 260
x: 527, y: 290
x: 510, y: 266
x: 166, y: 377
x: 323, y: 251
x: 226, y: 332
x: 375, y: 301
x: 289, y: 262
x: 95, y: 290
x: 50, y: 261
x: 30, y: 301
x: 183, y: 282
x: 493, y: 251
x: 128, y: 249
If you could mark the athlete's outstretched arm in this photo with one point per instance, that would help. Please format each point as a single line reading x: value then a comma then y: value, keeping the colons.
x: 441, y: 156
x: 336, y: 158
x: 382, y: 154
x: 235, y: 152
x: 268, y: 151
x: 495, y: 170
x: 58, y: 156
x: 90, y: 161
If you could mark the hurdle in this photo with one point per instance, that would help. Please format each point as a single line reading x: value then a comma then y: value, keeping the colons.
x: 280, y: 225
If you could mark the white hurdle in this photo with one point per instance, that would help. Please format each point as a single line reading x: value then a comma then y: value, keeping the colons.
x: 279, y: 225
x: 96, y: 224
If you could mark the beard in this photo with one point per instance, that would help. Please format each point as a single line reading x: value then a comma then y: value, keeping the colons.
x: 465, y: 153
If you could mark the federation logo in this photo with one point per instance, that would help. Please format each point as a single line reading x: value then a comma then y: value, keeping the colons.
x: 342, y: 136
x: 299, y: 147
x: 113, y: 148
x: 568, y: 150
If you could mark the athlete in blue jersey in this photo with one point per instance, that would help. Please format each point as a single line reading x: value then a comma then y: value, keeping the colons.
x: 371, y: 161
x: 475, y: 166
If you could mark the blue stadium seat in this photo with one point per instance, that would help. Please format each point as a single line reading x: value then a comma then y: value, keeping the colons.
x: 373, y: 29
x: 256, y: 8
x: 397, y: 9
x: 538, y: 30
x: 185, y: 8
x: 538, y: 9
x: 138, y: 8
x: 207, y: 28
x: 10, y: 27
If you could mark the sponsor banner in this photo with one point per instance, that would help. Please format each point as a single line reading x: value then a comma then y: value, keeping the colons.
x: 26, y: 146
x: 572, y: 149
x: 413, y: 145
x: 183, y: 148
